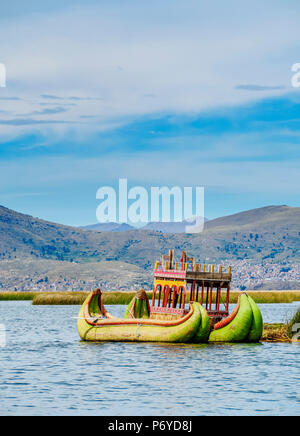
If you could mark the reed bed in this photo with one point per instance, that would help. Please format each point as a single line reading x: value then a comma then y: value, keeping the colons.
x: 274, y: 296
x: 77, y: 298
x: 7, y: 296
x: 281, y: 332
x: 275, y: 333
x: 258, y: 296
x: 59, y: 298
x: 118, y: 297
x: 294, y: 320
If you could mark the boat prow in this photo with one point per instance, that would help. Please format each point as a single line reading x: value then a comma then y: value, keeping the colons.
x: 245, y: 323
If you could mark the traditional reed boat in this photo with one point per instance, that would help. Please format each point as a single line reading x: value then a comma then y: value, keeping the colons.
x: 96, y: 324
x: 168, y: 319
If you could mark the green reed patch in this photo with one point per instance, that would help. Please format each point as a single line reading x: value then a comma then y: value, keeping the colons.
x: 77, y: 298
x: 291, y: 325
x: 59, y: 298
x: 122, y: 297
x: 258, y: 296
x: 8, y: 296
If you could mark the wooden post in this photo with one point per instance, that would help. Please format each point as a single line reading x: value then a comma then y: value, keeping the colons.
x: 166, y: 292
x: 227, y: 298
x: 202, y: 293
x: 192, y: 297
x: 174, y: 296
x: 159, y: 295
x: 183, y: 260
x: 171, y: 258
x: 180, y: 297
x: 207, y: 291
x: 197, y: 292
x: 183, y: 298
x: 153, y: 295
x: 218, y: 299
x: 210, y: 297
x: 170, y: 298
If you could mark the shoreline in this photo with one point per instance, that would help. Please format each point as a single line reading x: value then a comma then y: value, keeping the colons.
x: 124, y: 297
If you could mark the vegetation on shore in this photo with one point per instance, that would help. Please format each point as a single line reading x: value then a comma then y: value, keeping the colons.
x: 77, y: 298
x: 281, y: 332
x: 7, y: 296
x: 275, y: 333
x: 121, y: 297
x: 294, y: 320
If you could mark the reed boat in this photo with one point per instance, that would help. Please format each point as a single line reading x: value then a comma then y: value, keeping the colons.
x: 170, y: 318
x: 96, y: 324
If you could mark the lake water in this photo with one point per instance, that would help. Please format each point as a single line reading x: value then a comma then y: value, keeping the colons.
x: 47, y: 370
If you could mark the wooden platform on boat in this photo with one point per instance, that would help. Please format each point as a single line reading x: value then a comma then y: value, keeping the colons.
x: 219, y: 277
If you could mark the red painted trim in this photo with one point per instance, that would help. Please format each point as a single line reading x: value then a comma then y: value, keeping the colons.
x: 170, y: 273
x: 229, y: 318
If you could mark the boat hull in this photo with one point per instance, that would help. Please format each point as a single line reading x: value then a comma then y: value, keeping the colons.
x: 135, y: 330
x: 245, y: 324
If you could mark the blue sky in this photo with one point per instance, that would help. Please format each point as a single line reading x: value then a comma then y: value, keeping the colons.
x: 184, y: 93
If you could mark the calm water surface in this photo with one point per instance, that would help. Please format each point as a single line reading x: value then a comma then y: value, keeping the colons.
x: 47, y: 370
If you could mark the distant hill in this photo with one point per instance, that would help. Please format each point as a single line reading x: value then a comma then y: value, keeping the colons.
x: 276, y: 216
x: 264, y: 235
x: 109, y: 227
x: 267, y: 233
x: 173, y: 227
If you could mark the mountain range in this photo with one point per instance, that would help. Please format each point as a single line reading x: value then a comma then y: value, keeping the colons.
x: 265, y: 235
x: 165, y: 227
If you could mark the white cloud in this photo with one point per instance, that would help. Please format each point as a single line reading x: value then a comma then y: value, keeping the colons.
x: 191, y: 55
